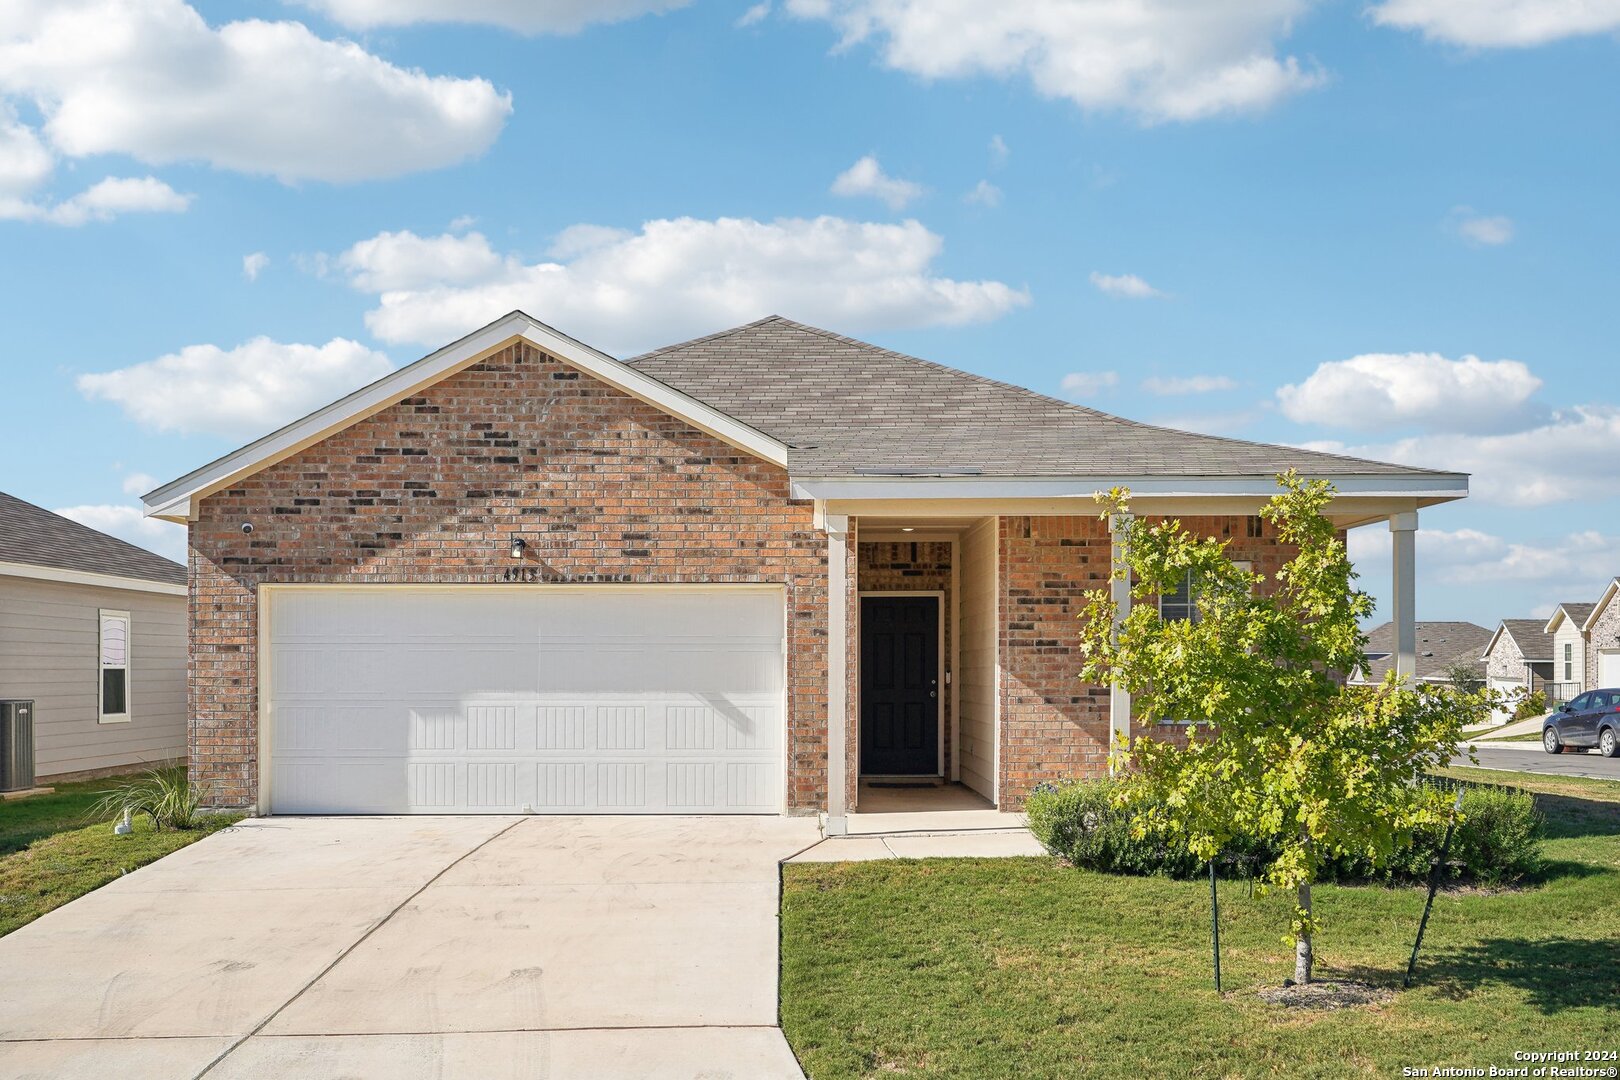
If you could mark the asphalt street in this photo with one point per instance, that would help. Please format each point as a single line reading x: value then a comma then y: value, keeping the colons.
x: 1529, y: 757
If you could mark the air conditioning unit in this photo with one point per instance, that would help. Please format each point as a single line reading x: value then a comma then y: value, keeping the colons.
x: 16, y: 745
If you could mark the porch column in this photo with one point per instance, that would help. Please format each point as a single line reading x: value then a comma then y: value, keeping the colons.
x: 837, y: 673
x: 1403, y: 592
x: 1119, y: 698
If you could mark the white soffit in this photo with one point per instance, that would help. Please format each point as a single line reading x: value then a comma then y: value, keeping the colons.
x: 176, y: 501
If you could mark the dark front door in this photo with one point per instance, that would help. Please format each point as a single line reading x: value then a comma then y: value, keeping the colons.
x: 900, y: 685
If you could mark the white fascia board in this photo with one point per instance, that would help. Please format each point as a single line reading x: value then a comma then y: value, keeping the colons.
x: 1438, y: 486
x: 1552, y: 625
x: 1603, y: 602
x: 176, y: 501
x: 1501, y: 628
x: 87, y: 577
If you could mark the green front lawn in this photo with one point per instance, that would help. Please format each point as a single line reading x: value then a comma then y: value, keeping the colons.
x: 1025, y: 968
x: 51, y: 852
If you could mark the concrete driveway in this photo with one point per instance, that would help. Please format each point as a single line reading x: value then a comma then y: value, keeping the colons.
x: 417, y: 947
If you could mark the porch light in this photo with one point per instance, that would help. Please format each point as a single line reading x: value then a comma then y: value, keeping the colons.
x: 518, y: 546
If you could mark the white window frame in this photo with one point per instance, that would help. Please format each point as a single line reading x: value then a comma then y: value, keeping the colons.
x: 102, y: 715
x: 1191, y: 603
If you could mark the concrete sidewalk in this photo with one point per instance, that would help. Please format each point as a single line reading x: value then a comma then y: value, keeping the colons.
x: 417, y: 947
x: 978, y: 844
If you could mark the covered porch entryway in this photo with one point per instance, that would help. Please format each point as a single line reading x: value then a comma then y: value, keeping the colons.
x: 923, y: 679
x: 954, y: 658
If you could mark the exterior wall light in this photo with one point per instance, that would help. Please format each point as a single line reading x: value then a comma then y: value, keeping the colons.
x: 518, y: 546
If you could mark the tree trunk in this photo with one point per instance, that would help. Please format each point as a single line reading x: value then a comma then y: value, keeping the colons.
x: 1304, y: 957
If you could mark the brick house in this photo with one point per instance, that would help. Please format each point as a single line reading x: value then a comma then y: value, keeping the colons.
x: 747, y: 573
x: 1518, y: 660
x: 1601, y: 629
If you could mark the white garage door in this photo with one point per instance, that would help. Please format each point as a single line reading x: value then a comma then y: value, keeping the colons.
x: 577, y: 700
x: 1509, y: 691
x: 1609, y: 669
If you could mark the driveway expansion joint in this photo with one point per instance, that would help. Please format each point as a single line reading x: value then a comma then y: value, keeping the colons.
x: 355, y: 944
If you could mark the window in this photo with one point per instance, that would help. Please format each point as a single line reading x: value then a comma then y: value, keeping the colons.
x: 114, y: 663
x: 1569, y: 666
x: 1257, y: 526
x: 1180, y: 605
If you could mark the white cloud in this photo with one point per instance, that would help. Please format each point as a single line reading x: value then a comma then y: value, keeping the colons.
x: 399, y: 261
x: 128, y: 523
x: 1500, y: 23
x: 1569, y: 457
x: 155, y: 81
x: 984, y: 193
x: 1124, y: 286
x: 102, y: 201
x: 253, y: 265
x: 1160, y: 59
x: 754, y: 15
x: 676, y: 278
x: 867, y: 178
x: 254, y: 387
x: 139, y: 483
x: 999, y: 153
x: 24, y: 161
x: 1482, y: 230
x: 462, y: 221
x: 524, y: 16
x: 1083, y: 384
x: 1383, y: 390
x: 1579, y: 562
x: 1168, y: 385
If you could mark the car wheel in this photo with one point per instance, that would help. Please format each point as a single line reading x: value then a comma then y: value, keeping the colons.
x: 1609, y: 743
x: 1550, y: 743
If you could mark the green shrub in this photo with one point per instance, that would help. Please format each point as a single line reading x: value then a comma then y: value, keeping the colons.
x: 1530, y: 703
x: 167, y: 796
x: 1497, y: 842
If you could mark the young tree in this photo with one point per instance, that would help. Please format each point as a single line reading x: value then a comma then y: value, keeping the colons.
x: 1464, y: 675
x: 1280, y: 747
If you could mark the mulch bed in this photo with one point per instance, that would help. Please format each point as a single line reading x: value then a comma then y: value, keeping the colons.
x: 1329, y: 994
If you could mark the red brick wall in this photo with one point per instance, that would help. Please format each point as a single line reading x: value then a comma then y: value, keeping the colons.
x: 922, y: 566
x: 1053, y: 726
x: 602, y: 487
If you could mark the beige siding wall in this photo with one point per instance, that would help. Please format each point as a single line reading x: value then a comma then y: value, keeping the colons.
x: 979, y: 673
x: 1569, y: 633
x: 48, y: 653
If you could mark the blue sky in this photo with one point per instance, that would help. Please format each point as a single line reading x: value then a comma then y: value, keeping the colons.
x: 1386, y: 227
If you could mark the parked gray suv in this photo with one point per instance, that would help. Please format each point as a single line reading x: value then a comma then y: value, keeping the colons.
x: 1593, y: 719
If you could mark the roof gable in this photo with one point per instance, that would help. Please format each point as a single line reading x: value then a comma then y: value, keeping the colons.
x: 1603, y: 602
x: 177, y: 500
x: 31, y: 536
x: 1529, y: 636
x: 1574, y: 614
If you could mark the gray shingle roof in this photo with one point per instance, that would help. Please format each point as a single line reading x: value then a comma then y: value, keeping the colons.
x: 1576, y: 613
x: 843, y: 405
x: 1531, y: 636
x: 1439, y: 645
x: 33, y: 535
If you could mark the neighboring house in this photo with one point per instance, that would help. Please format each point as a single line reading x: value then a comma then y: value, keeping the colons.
x: 1569, y: 649
x: 93, y: 632
x: 1601, y: 628
x: 741, y: 574
x: 1440, y: 647
x: 1518, y: 660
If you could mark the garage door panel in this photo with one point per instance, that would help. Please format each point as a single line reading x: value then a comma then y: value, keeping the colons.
x: 630, y: 723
